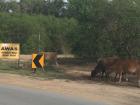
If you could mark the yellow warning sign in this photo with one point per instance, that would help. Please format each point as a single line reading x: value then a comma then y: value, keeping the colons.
x: 9, y: 51
x: 38, y: 60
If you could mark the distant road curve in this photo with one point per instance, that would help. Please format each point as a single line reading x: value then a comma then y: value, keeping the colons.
x: 12, y: 95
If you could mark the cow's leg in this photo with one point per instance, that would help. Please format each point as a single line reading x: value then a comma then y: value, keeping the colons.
x: 91, y: 77
x: 56, y: 63
x: 120, y: 78
x: 115, y: 76
x: 139, y: 83
x: 107, y: 75
x: 138, y: 80
x: 138, y: 76
x: 102, y: 74
x: 125, y: 77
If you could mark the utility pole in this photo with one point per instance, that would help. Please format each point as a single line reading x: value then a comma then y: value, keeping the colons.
x: 39, y: 42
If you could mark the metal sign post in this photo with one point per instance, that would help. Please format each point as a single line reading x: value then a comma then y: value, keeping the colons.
x: 10, y: 51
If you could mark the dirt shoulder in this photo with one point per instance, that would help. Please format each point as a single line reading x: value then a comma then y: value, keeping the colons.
x: 113, y: 95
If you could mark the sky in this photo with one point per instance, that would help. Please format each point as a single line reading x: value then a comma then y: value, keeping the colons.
x: 13, y: 0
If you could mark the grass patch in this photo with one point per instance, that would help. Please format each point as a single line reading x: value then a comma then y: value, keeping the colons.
x: 49, y: 73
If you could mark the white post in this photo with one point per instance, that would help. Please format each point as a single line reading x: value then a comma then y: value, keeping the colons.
x: 39, y: 42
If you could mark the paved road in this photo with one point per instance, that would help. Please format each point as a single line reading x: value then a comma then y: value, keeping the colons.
x: 11, y: 95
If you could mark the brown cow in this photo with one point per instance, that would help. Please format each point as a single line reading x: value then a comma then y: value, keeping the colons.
x: 125, y: 66
x: 118, y: 66
x: 52, y: 57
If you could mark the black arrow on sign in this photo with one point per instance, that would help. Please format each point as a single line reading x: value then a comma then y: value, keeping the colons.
x: 36, y: 61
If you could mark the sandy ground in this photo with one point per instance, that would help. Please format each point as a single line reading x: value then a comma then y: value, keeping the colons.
x: 96, y: 91
x: 78, y: 85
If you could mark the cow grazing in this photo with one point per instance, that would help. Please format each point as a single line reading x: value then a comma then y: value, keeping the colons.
x: 118, y: 66
x: 102, y: 66
x: 125, y: 66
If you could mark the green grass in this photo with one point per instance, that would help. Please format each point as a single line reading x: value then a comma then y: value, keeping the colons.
x: 49, y: 73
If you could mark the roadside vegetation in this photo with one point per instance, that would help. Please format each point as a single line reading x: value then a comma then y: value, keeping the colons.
x: 50, y: 72
x: 86, y: 28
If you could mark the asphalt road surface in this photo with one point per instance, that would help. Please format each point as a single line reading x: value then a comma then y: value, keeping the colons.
x: 12, y: 95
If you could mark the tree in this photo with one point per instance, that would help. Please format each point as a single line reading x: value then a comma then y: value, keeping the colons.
x: 9, y: 6
x: 106, y: 27
x: 46, y: 7
x: 124, y: 32
x: 90, y: 15
x: 54, y: 7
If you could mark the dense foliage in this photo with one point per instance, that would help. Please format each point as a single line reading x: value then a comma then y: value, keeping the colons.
x: 87, y: 28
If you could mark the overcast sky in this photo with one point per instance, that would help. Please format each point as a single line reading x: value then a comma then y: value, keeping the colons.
x: 13, y: 0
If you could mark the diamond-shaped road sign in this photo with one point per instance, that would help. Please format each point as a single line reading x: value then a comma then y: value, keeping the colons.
x: 38, y: 60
